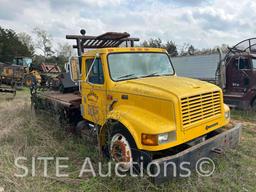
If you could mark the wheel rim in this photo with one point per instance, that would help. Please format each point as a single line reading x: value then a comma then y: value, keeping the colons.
x: 28, y: 82
x: 121, y: 151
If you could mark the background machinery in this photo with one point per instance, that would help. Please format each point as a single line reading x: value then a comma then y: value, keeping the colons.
x: 233, y: 71
x: 22, y: 71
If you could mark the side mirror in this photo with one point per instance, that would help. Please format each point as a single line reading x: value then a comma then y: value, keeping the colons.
x: 74, y: 69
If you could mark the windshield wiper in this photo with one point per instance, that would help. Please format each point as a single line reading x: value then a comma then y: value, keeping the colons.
x: 152, y: 75
x: 125, y: 76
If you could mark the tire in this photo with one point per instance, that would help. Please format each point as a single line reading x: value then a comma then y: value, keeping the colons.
x: 254, y: 105
x: 123, y: 149
x: 28, y: 81
x: 84, y: 131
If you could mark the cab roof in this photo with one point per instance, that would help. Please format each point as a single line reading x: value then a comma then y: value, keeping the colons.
x: 122, y: 50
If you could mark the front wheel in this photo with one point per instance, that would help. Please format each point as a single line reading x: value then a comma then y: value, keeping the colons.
x: 123, y: 150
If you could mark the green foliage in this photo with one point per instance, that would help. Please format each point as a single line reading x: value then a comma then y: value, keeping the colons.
x: 171, y: 48
x: 157, y: 43
x: 11, y: 46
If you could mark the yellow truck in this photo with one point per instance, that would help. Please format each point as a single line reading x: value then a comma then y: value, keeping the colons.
x: 132, y: 101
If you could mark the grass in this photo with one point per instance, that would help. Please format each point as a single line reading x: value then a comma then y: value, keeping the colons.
x: 244, y: 115
x: 22, y: 133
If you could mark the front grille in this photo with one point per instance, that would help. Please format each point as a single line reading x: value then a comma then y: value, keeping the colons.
x: 199, y: 107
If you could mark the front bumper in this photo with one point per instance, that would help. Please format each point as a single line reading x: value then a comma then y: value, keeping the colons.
x: 216, y: 144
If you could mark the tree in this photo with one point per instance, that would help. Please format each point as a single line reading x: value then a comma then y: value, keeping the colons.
x: 26, y: 39
x: 184, y: 49
x: 43, y: 42
x: 156, y: 43
x: 171, y: 48
x: 191, y: 50
x: 11, y: 46
x: 65, y: 50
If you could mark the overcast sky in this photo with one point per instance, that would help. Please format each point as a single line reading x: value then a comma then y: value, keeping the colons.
x: 201, y: 23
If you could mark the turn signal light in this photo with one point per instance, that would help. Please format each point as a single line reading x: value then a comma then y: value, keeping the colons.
x: 148, y: 139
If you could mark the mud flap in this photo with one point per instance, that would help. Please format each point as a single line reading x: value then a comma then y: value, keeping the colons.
x: 167, y: 168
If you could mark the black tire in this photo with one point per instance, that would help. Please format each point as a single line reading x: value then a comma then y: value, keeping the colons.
x: 84, y: 131
x: 254, y: 105
x: 28, y: 81
x: 138, y: 157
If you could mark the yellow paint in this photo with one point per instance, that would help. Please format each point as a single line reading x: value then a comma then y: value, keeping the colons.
x: 37, y: 75
x: 153, y: 105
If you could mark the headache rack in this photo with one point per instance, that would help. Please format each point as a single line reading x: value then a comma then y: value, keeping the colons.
x: 109, y: 39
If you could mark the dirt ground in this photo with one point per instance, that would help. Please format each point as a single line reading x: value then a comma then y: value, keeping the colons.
x: 22, y: 133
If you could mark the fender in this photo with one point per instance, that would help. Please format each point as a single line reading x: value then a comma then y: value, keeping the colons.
x: 138, y: 121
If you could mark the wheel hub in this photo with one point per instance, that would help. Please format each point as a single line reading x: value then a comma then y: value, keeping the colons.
x: 121, y: 151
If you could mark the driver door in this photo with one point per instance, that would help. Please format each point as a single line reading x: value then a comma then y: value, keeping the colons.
x: 238, y: 74
x: 94, y: 91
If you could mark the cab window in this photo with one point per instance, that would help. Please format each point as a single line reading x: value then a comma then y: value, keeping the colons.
x: 96, y: 74
x: 244, y: 63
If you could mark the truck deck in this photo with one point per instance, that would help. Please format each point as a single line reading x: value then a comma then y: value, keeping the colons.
x: 67, y: 99
x: 65, y: 105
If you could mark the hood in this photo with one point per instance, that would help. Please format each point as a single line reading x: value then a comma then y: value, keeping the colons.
x: 163, y: 86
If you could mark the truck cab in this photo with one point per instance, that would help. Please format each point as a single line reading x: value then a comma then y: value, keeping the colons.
x: 242, y: 72
x: 131, y: 103
x: 135, y: 93
x: 236, y: 74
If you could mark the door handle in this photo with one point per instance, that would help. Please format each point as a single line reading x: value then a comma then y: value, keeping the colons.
x: 110, y: 108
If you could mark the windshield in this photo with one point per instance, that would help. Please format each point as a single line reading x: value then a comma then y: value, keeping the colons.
x: 27, y: 62
x: 124, y: 66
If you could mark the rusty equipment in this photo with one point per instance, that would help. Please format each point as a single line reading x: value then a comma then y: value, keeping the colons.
x: 236, y: 74
x: 7, y: 90
x: 109, y: 39
x: 233, y: 71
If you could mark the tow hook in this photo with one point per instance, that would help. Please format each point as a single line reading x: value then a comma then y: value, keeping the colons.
x: 217, y: 150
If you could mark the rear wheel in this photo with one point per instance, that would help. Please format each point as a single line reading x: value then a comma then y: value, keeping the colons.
x: 254, y: 105
x: 86, y: 132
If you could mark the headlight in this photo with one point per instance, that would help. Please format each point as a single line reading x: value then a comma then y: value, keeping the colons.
x: 163, y: 138
x: 149, y: 139
x: 227, y: 114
